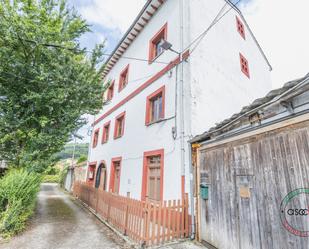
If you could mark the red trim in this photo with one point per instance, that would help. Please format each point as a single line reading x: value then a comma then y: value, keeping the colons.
x: 123, y: 116
x: 148, y: 102
x: 112, y: 174
x: 240, y: 28
x: 159, y: 152
x: 244, y: 65
x: 104, y: 140
x: 161, y: 33
x: 157, y: 76
x: 95, y: 138
x: 110, y: 91
x: 125, y: 72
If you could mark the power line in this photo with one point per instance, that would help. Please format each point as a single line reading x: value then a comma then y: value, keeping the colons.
x: 88, y: 51
x: 200, y: 37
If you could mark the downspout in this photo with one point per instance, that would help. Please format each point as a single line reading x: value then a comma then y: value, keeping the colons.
x: 181, y: 87
x: 192, y: 182
x: 182, y: 122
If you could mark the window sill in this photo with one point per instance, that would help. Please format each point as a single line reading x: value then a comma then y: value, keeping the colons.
x: 104, y: 142
x: 155, y: 122
x: 118, y: 137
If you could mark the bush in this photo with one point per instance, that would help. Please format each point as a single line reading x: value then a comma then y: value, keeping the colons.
x: 18, y: 192
x: 51, y: 178
x: 82, y: 158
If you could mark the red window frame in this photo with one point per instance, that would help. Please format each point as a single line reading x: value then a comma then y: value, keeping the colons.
x: 117, y: 121
x: 244, y: 65
x: 240, y: 27
x: 106, y: 132
x: 91, y: 172
x: 95, y: 138
x: 112, y: 174
x: 110, y: 91
x: 161, y: 34
x: 147, y: 154
x: 160, y: 91
x: 123, y: 78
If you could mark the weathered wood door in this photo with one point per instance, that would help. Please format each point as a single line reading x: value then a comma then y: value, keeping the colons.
x: 154, y: 178
x: 117, y: 177
x: 248, y: 179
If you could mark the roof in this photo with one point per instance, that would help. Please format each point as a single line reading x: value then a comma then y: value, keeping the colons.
x: 275, y: 96
x: 142, y: 19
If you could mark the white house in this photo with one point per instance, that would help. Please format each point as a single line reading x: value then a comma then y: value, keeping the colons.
x: 160, y: 98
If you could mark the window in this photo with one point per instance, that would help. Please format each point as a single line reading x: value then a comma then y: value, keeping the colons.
x: 155, y: 44
x: 105, y: 135
x: 110, y: 91
x: 240, y: 27
x: 119, y: 125
x: 244, y: 65
x: 95, y: 138
x: 123, y: 79
x: 155, y: 106
x: 152, y: 188
x: 114, y: 182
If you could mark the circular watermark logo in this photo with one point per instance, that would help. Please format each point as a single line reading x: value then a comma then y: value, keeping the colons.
x: 295, y: 212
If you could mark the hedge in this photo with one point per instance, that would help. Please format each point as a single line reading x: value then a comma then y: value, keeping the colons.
x: 18, y: 192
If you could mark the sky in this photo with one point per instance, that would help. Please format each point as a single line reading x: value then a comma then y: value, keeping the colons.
x: 280, y: 26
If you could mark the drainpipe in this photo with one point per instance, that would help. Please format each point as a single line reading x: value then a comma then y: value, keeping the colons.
x: 192, y: 182
x: 182, y: 121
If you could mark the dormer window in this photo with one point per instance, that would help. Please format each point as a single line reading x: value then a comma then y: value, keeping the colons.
x: 123, y: 79
x: 155, y: 44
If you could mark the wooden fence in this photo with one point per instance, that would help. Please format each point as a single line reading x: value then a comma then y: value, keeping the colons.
x: 144, y: 222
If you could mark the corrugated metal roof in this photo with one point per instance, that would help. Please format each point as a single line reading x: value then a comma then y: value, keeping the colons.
x: 246, y: 111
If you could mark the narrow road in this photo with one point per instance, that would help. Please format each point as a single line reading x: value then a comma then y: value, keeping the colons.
x: 60, y: 223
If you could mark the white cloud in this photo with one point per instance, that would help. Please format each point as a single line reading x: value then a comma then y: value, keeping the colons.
x: 112, y: 14
x: 281, y: 28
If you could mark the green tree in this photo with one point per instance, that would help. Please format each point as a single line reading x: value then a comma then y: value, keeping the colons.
x: 47, y: 81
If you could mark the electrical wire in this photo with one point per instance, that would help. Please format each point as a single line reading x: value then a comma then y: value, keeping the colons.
x: 88, y: 51
x: 201, y: 36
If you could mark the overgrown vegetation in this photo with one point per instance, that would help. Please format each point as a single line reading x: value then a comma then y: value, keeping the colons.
x: 51, y: 175
x: 82, y: 159
x: 47, y: 81
x: 62, y: 175
x: 51, y: 178
x: 18, y: 191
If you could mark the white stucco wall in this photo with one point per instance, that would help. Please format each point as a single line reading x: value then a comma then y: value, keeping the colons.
x: 214, y: 88
x: 139, y: 138
x: 218, y: 87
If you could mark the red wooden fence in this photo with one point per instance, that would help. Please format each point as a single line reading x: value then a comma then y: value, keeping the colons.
x: 144, y: 222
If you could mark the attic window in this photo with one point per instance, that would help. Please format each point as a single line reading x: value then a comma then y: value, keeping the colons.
x: 155, y: 44
x: 244, y: 65
x: 240, y: 27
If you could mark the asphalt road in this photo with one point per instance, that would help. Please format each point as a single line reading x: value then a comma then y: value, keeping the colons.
x: 61, y: 223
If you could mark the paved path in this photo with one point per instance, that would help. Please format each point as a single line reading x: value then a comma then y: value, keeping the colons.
x: 60, y: 223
